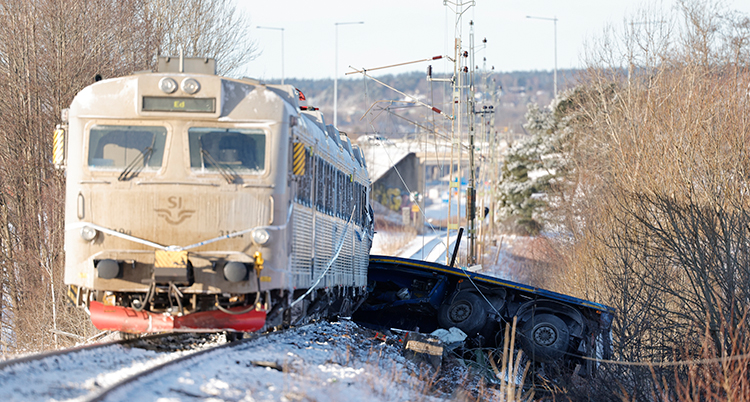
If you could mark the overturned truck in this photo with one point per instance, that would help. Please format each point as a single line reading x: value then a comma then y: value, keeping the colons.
x: 422, y: 296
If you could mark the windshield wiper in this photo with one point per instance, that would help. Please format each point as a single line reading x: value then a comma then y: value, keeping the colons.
x: 131, y: 170
x: 229, y: 177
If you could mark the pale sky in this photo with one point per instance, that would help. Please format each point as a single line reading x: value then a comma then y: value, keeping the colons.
x: 397, y: 31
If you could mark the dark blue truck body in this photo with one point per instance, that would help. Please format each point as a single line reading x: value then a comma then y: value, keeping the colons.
x: 423, y: 296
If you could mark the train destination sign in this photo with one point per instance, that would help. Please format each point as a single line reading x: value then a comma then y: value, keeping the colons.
x: 173, y: 104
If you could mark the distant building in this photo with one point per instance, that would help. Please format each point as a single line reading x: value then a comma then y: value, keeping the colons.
x: 397, y: 178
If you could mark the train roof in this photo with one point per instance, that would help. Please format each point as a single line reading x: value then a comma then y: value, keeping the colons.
x: 243, y: 99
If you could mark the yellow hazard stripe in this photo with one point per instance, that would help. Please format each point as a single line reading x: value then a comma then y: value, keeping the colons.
x: 58, y: 152
x: 73, y: 293
x: 298, y: 161
x: 170, y: 259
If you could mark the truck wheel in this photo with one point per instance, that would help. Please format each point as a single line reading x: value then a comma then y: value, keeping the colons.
x: 545, y: 338
x: 464, y: 311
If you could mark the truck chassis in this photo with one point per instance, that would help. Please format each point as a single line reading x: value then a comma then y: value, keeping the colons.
x: 423, y: 296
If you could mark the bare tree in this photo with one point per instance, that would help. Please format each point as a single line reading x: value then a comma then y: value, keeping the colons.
x: 207, y: 28
x: 660, y: 219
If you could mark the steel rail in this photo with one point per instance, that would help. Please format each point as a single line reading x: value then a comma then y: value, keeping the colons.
x: 76, y: 349
x: 103, y: 393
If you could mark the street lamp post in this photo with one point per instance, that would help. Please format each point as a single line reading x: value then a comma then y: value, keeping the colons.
x: 282, y: 49
x: 336, y: 71
x: 555, y: 21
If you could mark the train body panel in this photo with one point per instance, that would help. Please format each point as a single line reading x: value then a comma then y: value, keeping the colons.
x: 182, y: 196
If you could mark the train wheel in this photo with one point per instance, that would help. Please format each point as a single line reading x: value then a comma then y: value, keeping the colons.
x: 545, y: 338
x: 464, y: 311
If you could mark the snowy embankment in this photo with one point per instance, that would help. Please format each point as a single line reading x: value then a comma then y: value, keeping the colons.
x: 337, y: 361
x: 75, y: 376
x: 324, y: 361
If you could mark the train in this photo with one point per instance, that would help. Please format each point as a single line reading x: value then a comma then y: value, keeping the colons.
x: 197, y: 202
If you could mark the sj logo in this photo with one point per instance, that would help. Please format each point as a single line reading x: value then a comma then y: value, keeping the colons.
x: 174, y: 214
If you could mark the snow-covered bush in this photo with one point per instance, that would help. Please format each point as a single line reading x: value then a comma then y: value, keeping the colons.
x: 533, y: 166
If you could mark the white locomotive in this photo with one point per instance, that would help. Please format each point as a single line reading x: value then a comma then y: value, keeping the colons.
x: 196, y: 202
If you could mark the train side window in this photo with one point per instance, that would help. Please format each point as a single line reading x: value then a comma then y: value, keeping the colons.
x: 363, y: 204
x: 333, y: 207
x: 349, y: 198
x: 358, y: 202
x: 330, y: 189
x: 320, y: 190
x: 345, y: 212
x: 304, y: 183
x: 337, y: 193
x: 339, y: 199
x: 345, y: 209
x: 116, y: 147
x: 240, y: 150
x: 309, y: 184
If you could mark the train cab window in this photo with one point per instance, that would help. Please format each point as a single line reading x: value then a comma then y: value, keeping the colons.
x: 117, y: 147
x: 240, y: 150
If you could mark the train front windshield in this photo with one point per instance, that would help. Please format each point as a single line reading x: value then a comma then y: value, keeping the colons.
x: 116, y: 147
x: 242, y: 151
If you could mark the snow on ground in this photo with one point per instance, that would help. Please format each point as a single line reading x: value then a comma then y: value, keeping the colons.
x: 337, y: 361
x: 324, y: 361
x: 73, y: 376
x: 428, y: 247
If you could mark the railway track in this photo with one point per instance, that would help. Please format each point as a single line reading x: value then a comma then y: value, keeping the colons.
x: 269, y: 366
x: 318, y: 361
x: 118, y: 390
x: 155, y: 379
x: 105, y: 371
x: 83, y: 373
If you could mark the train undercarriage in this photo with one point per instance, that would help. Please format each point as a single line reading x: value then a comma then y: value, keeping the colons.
x: 166, y: 309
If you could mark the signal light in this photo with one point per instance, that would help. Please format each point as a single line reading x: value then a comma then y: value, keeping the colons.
x: 260, y: 236
x: 167, y: 85
x: 88, y: 233
x: 190, y: 86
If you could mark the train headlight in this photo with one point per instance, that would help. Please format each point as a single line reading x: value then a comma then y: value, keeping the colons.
x: 167, y: 85
x: 260, y: 236
x: 88, y: 233
x: 190, y: 86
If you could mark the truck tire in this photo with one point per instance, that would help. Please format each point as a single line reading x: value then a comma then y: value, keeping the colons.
x: 545, y: 338
x: 464, y: 311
